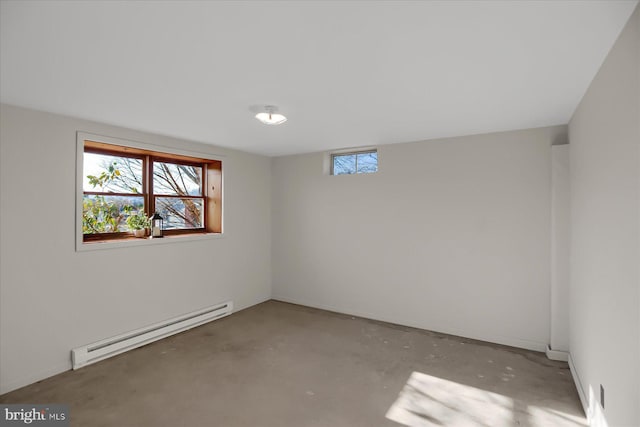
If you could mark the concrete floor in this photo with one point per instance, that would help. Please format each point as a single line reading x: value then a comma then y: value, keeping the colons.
x: 279, y: 364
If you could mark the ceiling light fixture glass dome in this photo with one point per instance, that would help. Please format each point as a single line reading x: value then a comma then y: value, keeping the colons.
x: 270, y: 117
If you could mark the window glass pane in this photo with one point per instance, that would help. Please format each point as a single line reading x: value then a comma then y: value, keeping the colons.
x: 180, y: 213
x: 177, y: 180
x: 111, y: 174
x: 367, y: 162
x: 344, y: 164
x: 108, y: 214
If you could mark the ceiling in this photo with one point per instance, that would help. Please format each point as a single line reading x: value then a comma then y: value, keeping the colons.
x: 346, y: 74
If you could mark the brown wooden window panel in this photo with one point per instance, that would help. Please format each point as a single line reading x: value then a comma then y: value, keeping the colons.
x: 186, y: 191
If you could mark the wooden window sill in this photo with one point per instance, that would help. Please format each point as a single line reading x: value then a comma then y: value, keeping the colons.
x: 131, y: 241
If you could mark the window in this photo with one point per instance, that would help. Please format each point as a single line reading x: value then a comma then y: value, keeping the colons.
x: 355, y: 162
x: 120, y: 181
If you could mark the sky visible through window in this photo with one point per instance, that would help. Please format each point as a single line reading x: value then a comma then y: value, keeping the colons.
x: 96, y: 164
x: 351, y: 163
x: 92, y: 165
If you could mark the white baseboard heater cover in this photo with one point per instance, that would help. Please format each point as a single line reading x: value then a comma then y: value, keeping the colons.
x: 92, y: 353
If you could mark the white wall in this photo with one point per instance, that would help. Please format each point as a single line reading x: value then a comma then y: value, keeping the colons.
x: 605, y: 236
x: 53, y: 298
x: 450, y: 235
x: 560, y: 217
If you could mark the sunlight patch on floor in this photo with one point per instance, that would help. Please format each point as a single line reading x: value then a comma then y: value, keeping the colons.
x: 427, y: 401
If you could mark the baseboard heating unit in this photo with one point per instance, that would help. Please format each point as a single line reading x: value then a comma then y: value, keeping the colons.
x: 92, y: 353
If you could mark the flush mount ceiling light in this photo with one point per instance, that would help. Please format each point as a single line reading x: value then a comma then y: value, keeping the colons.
x: 270, y: 117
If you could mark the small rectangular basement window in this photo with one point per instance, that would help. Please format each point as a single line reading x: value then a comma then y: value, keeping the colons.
x: 354, y: 162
